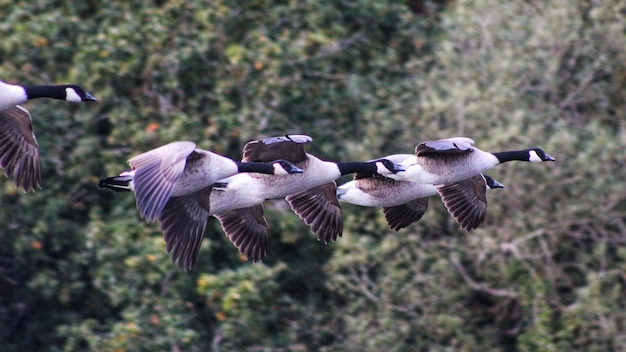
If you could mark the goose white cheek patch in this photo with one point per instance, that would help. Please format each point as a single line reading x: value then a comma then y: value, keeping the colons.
x: 71, y: 95
x: 279, y: 169
x: 381, y: 169
x: 533, y: 157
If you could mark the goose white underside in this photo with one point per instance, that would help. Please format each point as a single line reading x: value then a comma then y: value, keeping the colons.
x: 129, y: 176
x: 11, y: 95
x: 236, y: 192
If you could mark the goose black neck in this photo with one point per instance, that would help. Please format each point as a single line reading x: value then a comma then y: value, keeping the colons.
x: 360, y: 167
x: 47, y: 91
x: 519, y: 155
x: 262, y: 168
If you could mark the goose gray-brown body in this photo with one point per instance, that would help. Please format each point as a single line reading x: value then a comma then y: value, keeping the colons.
x: 454, y: 159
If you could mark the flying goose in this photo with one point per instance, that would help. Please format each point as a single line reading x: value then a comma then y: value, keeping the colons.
x: 237, y: 200
x: 19, y: 153
x: 454, y: 159
x: 312, y: 195
x: 12, y: 94
x: 178, y: 169
x: 184, y: 218
x: 406, y: 202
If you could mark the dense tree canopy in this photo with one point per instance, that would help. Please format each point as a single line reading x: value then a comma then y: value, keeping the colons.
x: 80, y: 270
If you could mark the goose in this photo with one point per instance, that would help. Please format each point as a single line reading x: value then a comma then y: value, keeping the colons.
x: 454, y: 159
x: 13, y: 94
x: 184, y: 218
x: 178, y: 169
x: 19, y: 153
x: 406, y: 202
x: 237, y: 201
x: 312, y: 195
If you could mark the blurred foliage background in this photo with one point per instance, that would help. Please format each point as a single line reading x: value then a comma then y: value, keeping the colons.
x: 80, y: 271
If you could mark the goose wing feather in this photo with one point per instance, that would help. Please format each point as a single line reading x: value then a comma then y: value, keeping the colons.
x: 466, y: 201
x: 156, y: 173
x: 247, y: 230
x: 19, y: 153
x: 288, y: 147
x: 319, y: 208
x: 183, y: 222
x: 401, y: 216
x: 458, y: 145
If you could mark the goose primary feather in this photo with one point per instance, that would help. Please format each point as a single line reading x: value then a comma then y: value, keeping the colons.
x: 466, y: 200
x: 19, y: 153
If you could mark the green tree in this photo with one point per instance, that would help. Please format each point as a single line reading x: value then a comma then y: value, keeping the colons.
x: 79, y: 270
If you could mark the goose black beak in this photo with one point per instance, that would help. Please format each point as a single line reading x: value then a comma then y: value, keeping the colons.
x: 549, y: 158
x: 496, y: 184
x: 89, y: 97
x: 295, y: 170
x: 398, y: 168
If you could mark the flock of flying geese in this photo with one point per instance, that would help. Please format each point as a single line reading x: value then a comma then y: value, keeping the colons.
x: 181, y: 186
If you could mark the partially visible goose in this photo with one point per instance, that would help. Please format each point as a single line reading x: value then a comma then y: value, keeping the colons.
x: 406, y: 202
x: 454, y: 159
x: 237, y: 201
x: 313, y: 198
x: 12, y: 94
x: 178, y: 169
x: 19, y: 153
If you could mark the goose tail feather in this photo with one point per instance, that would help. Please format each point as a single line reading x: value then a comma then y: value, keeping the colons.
x: 122, y: 183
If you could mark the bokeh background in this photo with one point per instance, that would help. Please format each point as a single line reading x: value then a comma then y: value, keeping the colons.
x: 80, y: 271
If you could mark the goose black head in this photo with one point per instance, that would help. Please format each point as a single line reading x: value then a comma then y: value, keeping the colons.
x: 77, y: 94
x: 283, y: 167
x: 386, y: 167
x: 491, y: 183
x: 537, y: 155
